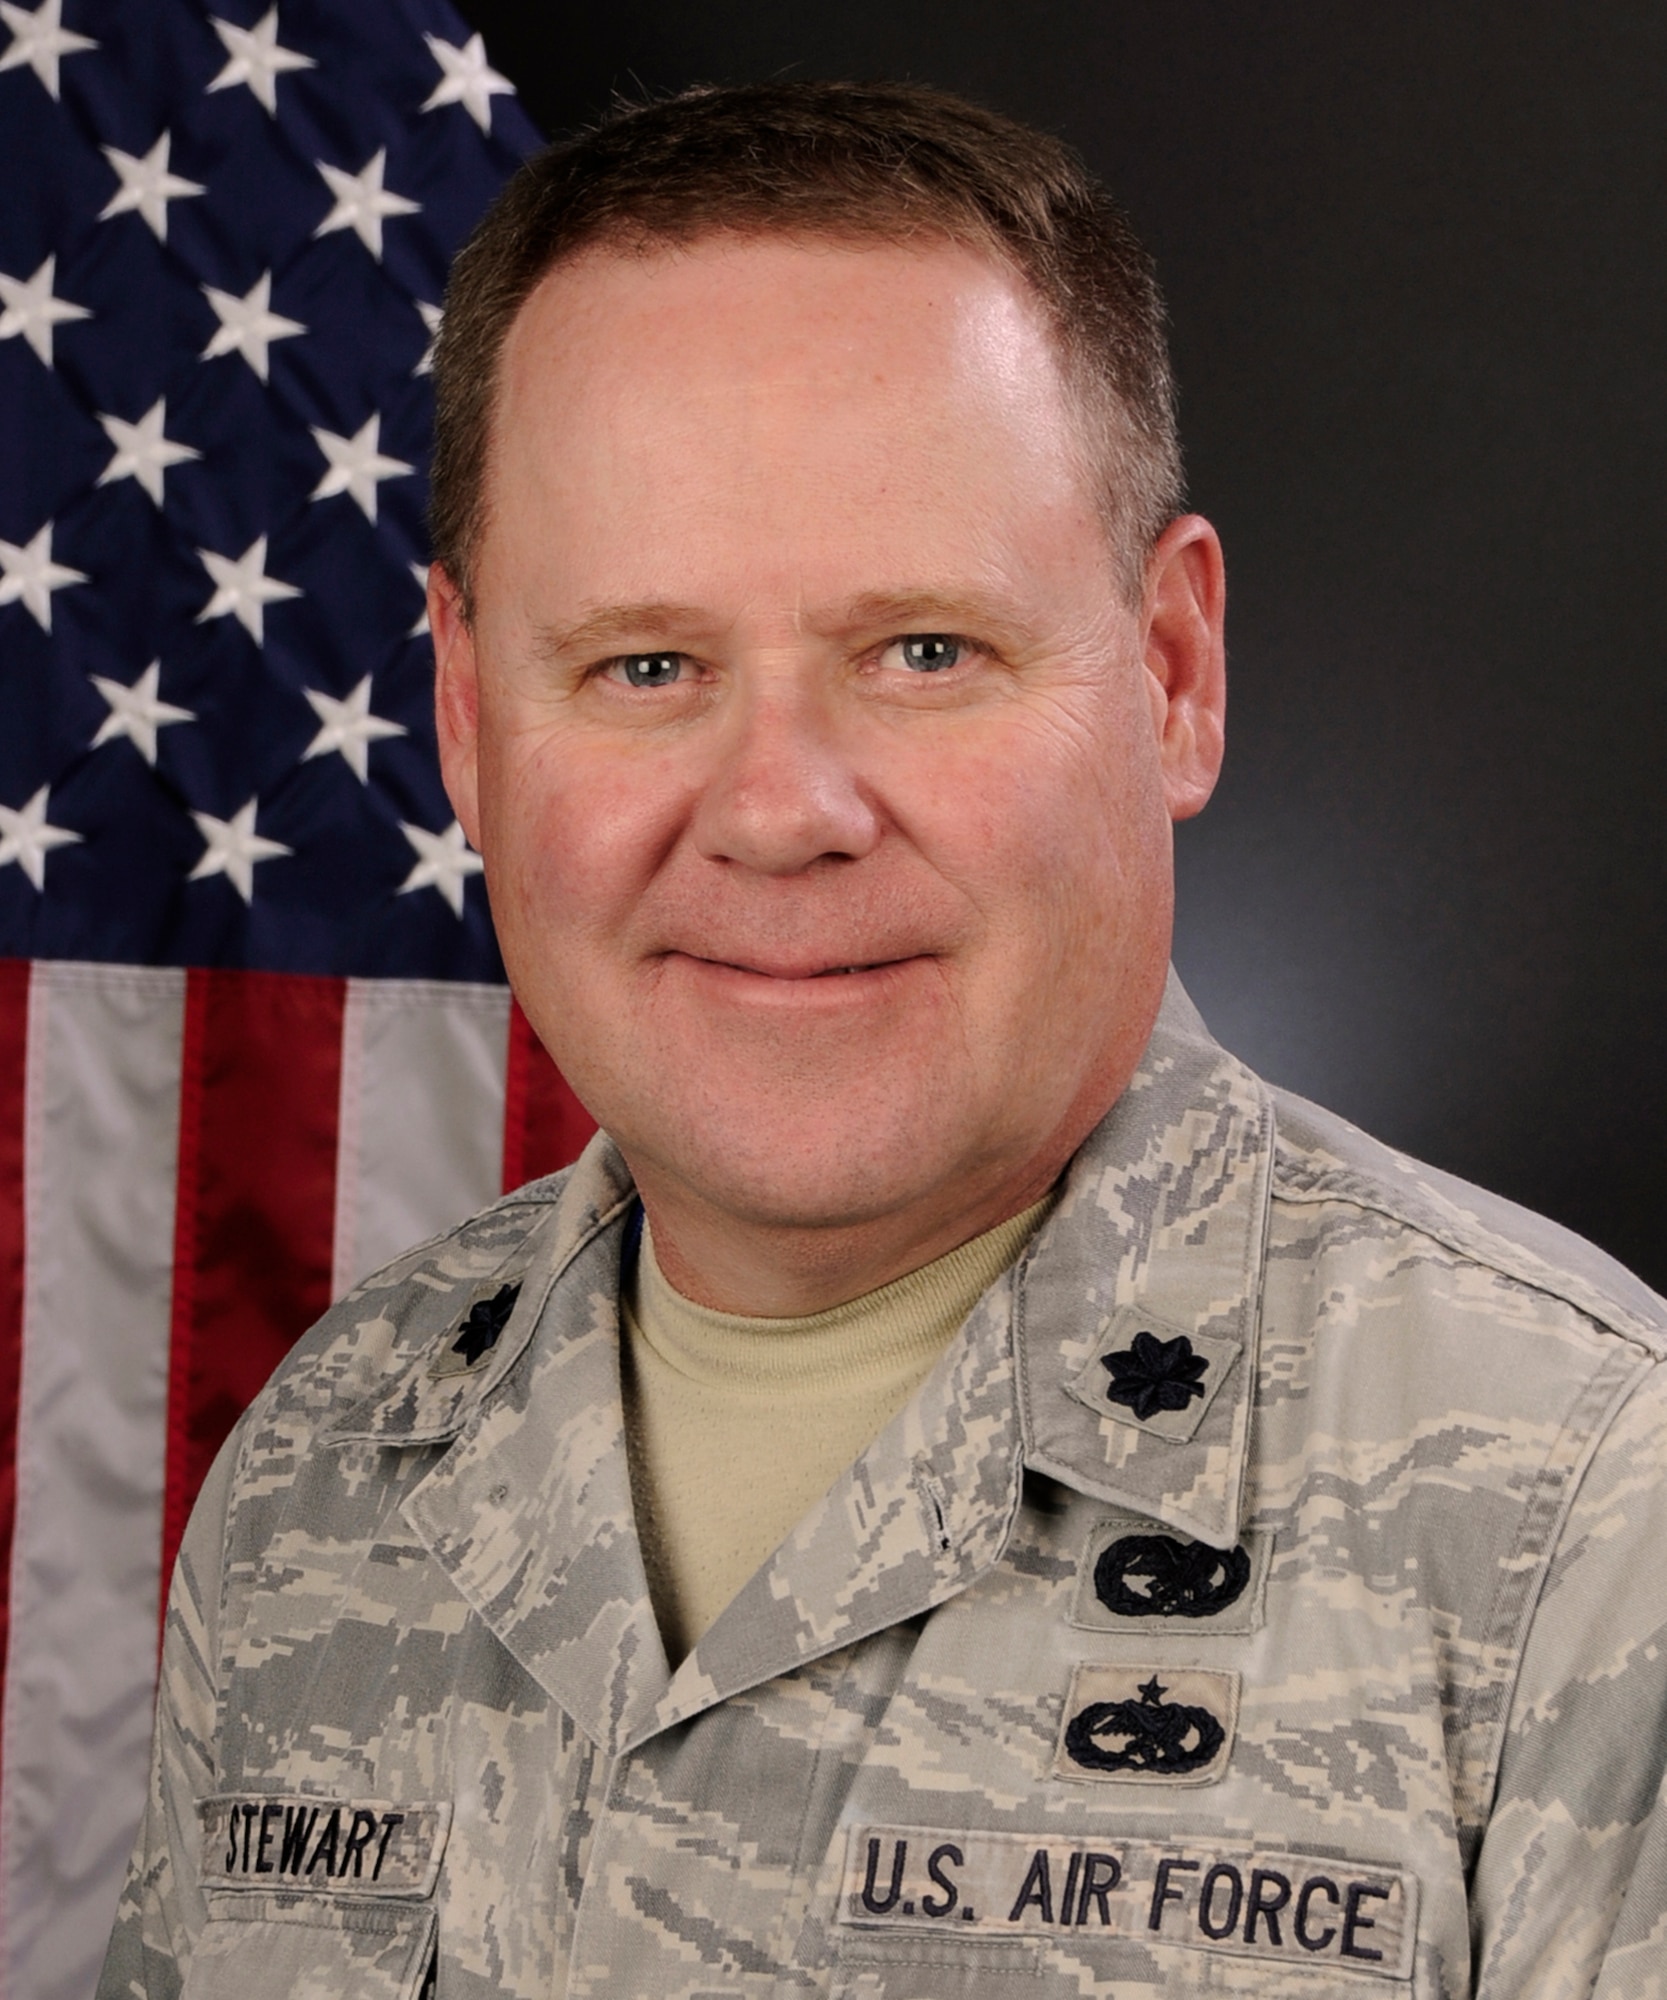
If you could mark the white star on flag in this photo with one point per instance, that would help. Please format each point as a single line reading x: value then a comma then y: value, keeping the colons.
x: 147, y: 185
x: 136, y: 712
x: 30, y: 308
x: 444, y: 862
x: 29, y: 573
x: 39, y: 40
x: 362, y: 202
x: 253, y: 57
x: 232, y: 848
x: 432, y: 316
x: 248, y: 326
x: 348, y: 727
x: 357, y: 465
x: 142, y: 452
x: 242, y: 587
x: 420, y: 630
x: 466, y: 79
x: 26, y: 838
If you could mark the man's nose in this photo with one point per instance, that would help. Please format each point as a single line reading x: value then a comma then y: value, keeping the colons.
x: 783, y: 791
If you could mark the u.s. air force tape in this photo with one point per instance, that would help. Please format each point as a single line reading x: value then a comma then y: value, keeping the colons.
x: 1249, y: 1902
x: 358, y: 1847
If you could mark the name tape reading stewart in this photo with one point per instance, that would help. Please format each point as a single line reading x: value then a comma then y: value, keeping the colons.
x: 253, y: 1840
x: 1250, y: 1902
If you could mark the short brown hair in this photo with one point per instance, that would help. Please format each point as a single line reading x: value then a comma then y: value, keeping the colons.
x: 883, y: 161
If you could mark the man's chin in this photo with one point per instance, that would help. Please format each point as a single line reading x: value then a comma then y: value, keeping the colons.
x: 793, y: 1172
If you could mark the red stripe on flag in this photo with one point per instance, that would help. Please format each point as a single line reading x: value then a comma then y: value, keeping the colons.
x: 14, y: 1063
x: 545, y: 1125
x: 254, y: 1223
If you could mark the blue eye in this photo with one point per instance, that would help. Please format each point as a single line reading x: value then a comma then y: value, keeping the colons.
x: 930, y: 652
x: 649, y: 670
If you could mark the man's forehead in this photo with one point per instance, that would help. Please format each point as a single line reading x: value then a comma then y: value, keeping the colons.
x: 766, y: 290
x: 772, y: 420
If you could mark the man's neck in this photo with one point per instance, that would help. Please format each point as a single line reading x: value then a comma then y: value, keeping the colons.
x: 789, y: 1270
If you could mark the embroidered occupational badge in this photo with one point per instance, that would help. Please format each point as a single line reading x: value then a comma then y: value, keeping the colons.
x: 486, y: 1320
x: 1133, y: 1570
x: 1151, y: 1735
x: 1143, y: 1576
x: 1157, y: 1378
x: 1146, y: 1724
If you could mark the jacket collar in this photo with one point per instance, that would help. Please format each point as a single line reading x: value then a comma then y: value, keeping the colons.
x: 1159, y: 1230
x: 529, y: 1510
x: 526, y: 1243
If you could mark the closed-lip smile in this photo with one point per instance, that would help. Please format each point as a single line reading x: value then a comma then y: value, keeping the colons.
x: 793, y: 971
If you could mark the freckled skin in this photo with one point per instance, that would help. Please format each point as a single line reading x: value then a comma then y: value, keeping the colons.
x: 753, y: 467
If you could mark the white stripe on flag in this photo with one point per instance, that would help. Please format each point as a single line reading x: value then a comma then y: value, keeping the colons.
x: 102, y: 1125
x: 422, y: 1115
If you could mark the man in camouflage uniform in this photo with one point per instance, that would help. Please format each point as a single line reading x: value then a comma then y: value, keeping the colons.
x: 1265, y: 1591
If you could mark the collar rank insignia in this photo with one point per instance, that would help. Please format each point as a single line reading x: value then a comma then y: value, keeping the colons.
x: 1163, y: 1379
x: 1150, y: 1375
x: 487, y: 1318
x: 1130, y: 1723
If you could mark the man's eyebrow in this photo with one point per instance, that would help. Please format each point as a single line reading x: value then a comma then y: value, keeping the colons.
x: 608, y: 627
x: 965, y: 611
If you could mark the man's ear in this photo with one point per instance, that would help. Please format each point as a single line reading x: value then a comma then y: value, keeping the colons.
x: 1186, y: 659
x: 456, y: 700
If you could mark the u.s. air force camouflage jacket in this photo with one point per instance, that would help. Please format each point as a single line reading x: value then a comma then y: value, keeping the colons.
x: 1266, y: 1594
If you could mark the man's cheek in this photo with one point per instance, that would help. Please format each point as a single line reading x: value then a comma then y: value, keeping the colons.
x: 550, y: 830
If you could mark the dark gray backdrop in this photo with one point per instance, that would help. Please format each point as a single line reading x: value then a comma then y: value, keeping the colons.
x: 1414, y: 257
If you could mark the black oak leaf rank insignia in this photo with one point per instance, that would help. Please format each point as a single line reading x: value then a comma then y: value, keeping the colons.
x: 1150, y: 1737
x: 487, y: 1319
x: 1150, y: 1375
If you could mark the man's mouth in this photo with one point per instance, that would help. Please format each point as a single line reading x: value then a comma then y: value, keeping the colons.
x: 790, y: 970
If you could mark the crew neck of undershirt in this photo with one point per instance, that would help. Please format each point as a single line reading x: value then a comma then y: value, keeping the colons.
x: 900, y: 1329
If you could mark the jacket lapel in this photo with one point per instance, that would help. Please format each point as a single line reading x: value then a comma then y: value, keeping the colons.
x: 924, y: 1511
x: 529, y: 1510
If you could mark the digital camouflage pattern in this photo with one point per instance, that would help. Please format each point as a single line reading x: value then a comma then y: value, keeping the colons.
x: 1389, y: 1471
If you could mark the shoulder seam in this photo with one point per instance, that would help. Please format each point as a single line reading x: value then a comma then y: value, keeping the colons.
x: 1303, y: 1185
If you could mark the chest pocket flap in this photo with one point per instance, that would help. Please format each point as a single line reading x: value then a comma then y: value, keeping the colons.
x: 274, y: 1946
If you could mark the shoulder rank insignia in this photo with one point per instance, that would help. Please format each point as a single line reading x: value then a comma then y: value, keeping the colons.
x: 486, y: 1320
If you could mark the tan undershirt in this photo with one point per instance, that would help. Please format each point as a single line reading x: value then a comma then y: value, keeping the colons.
x: 735, y: 1426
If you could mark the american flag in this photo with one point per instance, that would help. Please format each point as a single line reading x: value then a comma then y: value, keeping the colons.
x: 254, y: 1036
